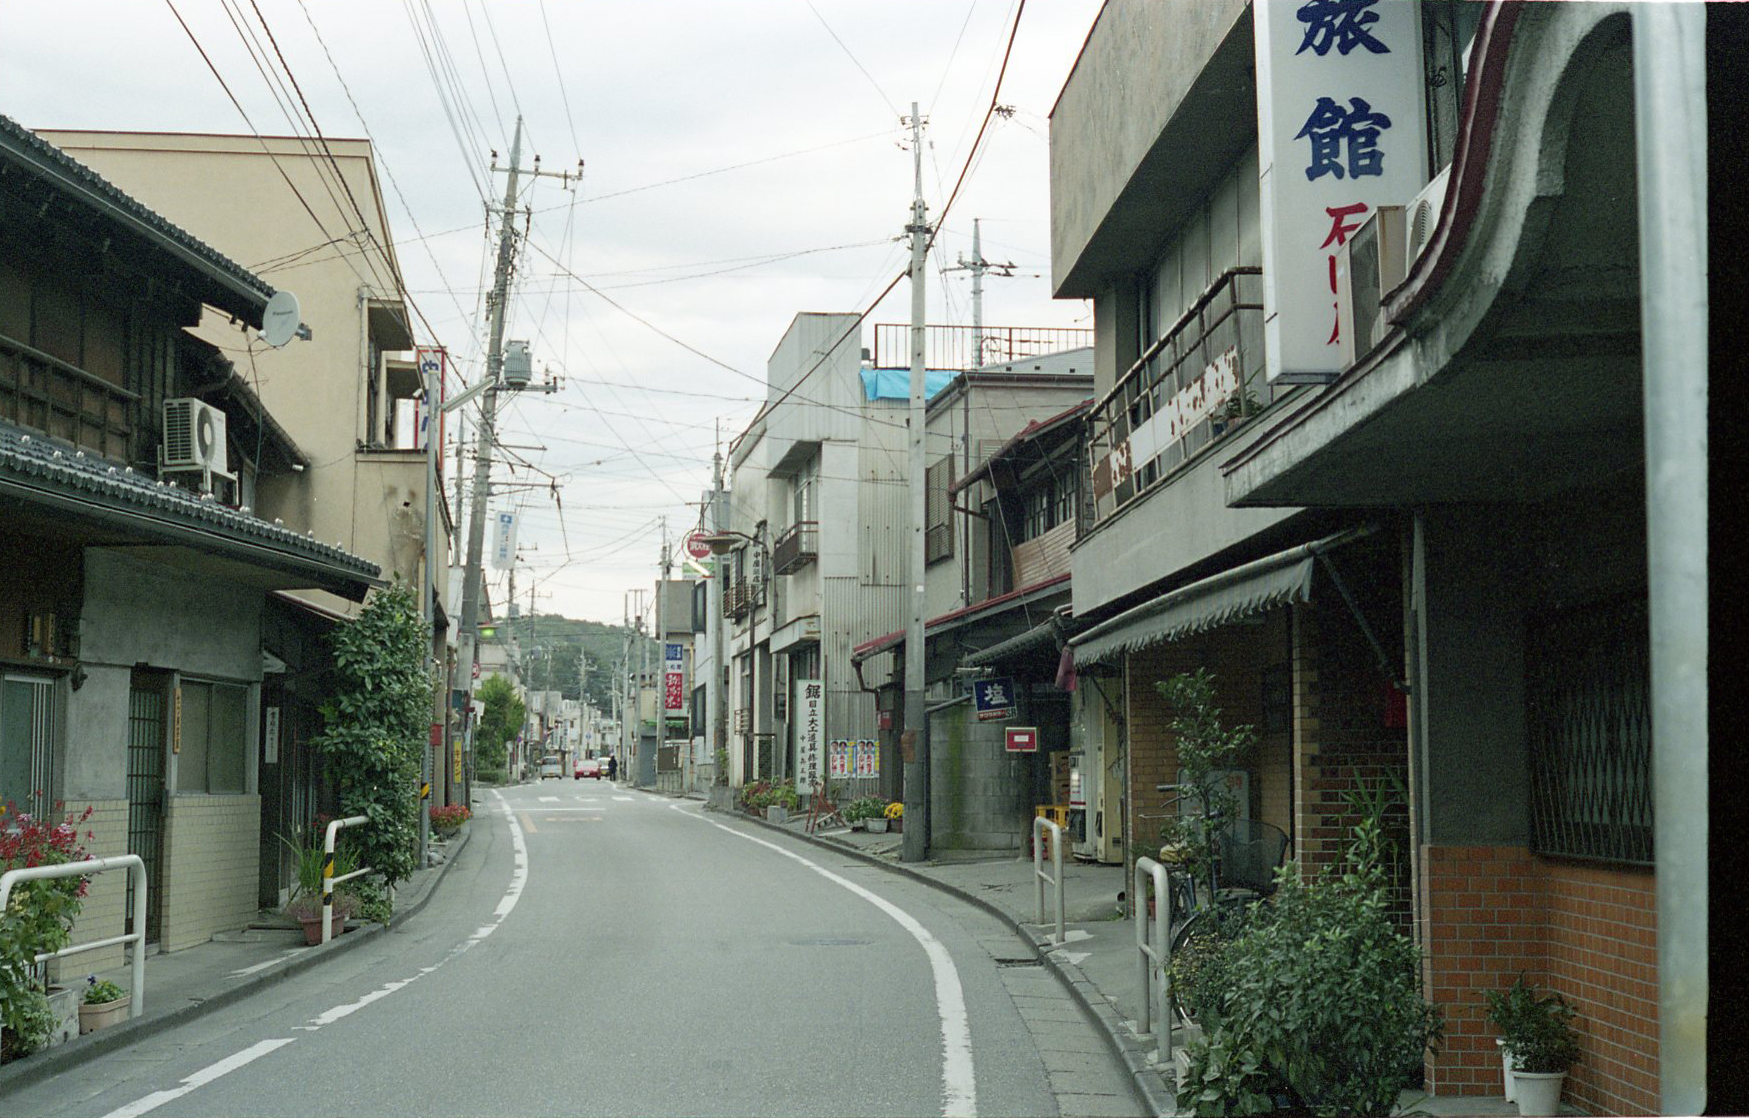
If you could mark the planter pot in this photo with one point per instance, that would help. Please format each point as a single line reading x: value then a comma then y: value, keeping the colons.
x: 1506, y: 1072
x: 64, y: 1005
x: 896, y: 825
x: 776, y: 814
x: 877, y: 826
x: 1538, y: 1092
x: 312, y: 926
x: 103, y: 1014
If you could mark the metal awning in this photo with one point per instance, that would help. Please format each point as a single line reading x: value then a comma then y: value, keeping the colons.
x: 1042, y: 636
x: 1244, y: 590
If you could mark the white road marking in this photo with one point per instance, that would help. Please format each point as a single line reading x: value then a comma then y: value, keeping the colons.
x: 1073, y: 958
x: 549, y: 799
x: 624, y: 799
x: 958, y: 1084
x: 512, y: 894
x: 201, y: 1078
x: 275, y: 961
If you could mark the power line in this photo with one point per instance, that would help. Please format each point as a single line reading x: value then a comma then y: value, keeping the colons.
x: 853, y: 59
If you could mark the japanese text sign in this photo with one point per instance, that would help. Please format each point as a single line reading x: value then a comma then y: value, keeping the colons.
x: 673, y: 677
x: 1341, y: 129
x: 868, y: 759
x: 838, y: 760
x: 810, y: 709
x: 994, y: 698
x: 1020, y: 739
x: 503, y: 539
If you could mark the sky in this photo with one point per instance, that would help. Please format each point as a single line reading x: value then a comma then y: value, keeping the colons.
x: 742, y: 163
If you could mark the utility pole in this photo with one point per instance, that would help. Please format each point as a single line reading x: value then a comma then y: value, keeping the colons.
x: 643, y: 682
x: 977, y: 265
x: 913, y: 739
x: 662, y: 650
x: 716, y: 703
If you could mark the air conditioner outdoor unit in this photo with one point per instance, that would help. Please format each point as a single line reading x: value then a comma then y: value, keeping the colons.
x: 194, y: 441
x: 1421, y: 218
x: 1368, y: 266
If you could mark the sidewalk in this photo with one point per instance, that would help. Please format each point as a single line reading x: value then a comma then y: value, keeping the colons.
x: 1099, y: 960
x: 183, y: 985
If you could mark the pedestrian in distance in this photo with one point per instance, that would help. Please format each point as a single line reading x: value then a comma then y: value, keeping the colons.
x: 612, y: 768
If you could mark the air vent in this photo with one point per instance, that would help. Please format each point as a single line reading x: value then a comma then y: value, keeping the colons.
x: 1423, y: 217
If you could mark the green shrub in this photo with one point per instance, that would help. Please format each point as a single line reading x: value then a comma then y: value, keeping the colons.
x: 491, y: 776
x: 1321, y: 1009
x: 1538, y: 1030
x: 863, y: 807
x: 102, y: 992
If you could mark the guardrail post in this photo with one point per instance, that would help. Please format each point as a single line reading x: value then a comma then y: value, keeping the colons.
x: 135, y: 936
x: 1153, y: 955
x: 1039, y: 877
x: 328, y: 880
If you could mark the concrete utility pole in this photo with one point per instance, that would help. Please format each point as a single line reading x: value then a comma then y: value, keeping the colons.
x: 716, y: 703
x: 468, y: 639
x: 662, y: 646
x: 977, y: 265
x: 913, y: 740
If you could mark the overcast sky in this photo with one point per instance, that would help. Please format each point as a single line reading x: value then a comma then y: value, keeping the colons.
x: 644, y: 91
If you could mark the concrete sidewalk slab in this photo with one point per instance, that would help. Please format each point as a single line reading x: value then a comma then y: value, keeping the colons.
x: 183, y: 985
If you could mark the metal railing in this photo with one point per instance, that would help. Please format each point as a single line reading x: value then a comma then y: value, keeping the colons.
x: 1041, y: 826
x: 137, y: 937
x: 328, y: 878
x: 797, y: 547
x: 1154, y: 955
x: 1198, y: 382
x: 955, y: 347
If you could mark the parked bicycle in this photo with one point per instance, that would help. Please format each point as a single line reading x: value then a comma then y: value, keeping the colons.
x: 1247, y: 854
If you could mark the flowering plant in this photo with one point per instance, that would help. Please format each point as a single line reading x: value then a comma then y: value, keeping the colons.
x: 449, y: 819
x: 895, y: 810
x: 38, y: 918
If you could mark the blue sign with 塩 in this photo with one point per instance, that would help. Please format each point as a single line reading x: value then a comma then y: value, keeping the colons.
x: 993, y: 698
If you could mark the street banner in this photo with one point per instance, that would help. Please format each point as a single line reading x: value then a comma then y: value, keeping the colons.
x: 503, y: 540
x: 810, y: 707
x: 838, y: 760
x: 994, y: 698
x: 868, y: 759
x: 673, y: 677
x: 1340, y: 131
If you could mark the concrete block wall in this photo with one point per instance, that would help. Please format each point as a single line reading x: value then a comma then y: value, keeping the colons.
x: 211, y: 870
x: 104, y: 912
x: 979, y: 793
x: 1587, y: 932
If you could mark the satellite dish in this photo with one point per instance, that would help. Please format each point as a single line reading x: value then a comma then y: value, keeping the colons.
x: 279, y: 323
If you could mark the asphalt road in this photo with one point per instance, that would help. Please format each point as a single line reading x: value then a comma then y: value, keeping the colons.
x: 600, y: 951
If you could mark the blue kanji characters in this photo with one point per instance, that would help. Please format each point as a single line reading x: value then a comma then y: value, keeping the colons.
x: 1345, y: 144
x: 1342, y: 24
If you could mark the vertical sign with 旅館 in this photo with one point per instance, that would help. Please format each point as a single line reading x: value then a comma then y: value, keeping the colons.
x: 810, y: 708
x: 1341, y: 129
x: 673, y: 678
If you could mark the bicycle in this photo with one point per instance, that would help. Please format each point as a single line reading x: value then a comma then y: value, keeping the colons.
x: 1247, y: 854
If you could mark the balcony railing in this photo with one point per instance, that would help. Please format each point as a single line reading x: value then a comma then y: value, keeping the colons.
x: 1192, y: 387
x: 797, y: 547
x: 956, y: 347
x: 49, y: 395
x: 742, y: 598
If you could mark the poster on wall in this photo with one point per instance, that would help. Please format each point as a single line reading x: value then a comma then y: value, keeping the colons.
x: 673, y: 677
x: 810, y: 708
x: 838, y: 760
x: 1341, y: 129
x: 868, y: 759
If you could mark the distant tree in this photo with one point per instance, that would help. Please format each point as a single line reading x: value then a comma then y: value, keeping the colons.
x: 501, y: 716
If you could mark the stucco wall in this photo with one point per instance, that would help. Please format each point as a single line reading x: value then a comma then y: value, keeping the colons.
x: 978, y: 792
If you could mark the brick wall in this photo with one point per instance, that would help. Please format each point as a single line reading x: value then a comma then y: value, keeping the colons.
x: 211, y: 867
x: 1589, y: 933
x: 104, y: 913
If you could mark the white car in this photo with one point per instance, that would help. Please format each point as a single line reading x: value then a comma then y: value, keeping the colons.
x: 550, y: 768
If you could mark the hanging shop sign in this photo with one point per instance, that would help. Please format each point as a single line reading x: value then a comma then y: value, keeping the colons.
x: 1341, y: 129
x: 993, y: 698
x: 503, y: 540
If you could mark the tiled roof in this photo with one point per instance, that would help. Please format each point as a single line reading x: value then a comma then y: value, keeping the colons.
x: 41, y: 463
x: 22, y: 142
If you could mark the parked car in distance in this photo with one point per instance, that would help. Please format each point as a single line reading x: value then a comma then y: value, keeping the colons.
x: 549, y: 766
x: 590, y: 767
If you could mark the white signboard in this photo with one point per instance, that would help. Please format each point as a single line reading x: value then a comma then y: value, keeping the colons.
x: 1341, y: 129
x: 270, y: 734
x: 810, y: 708
x: 503, y: 540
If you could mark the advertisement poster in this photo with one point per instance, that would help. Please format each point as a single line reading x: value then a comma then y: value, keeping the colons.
x: 838, y: 760
x: 868, y: 759
x: 674, y: 678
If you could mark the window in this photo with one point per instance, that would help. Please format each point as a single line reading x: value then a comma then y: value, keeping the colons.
x: 1590, y: 732
x: 938, y: 511
x: 26, y: 734
x: 802, y: 493
x: 1050, y: 503
x: 212, y: 737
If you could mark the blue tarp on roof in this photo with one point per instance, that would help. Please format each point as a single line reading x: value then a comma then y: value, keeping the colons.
x: 895, y: 384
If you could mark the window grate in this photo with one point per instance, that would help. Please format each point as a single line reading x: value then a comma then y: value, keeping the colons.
x: 1591, y: 733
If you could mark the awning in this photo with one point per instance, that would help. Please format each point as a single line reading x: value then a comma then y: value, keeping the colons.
x: 1243, y: 591
x: 1041, y: 637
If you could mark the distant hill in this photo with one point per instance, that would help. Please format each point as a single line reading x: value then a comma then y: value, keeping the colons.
x: 551, y: 645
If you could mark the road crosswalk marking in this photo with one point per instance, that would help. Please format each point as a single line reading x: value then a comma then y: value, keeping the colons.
x: 549, y: 799
x: 626, y: 799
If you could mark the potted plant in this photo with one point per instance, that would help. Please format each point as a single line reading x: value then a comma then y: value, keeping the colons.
x: 105, y: 1004
x: 1544, y: 1045
x: 306, y: 903
x: 446, y: 821
x: 895, y: 813
x: 1507, y: 1009
x: 877, y: 819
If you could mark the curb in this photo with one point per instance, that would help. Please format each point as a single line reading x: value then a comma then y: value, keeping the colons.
x: 42, y: 1065
x: 1144, y: 1079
